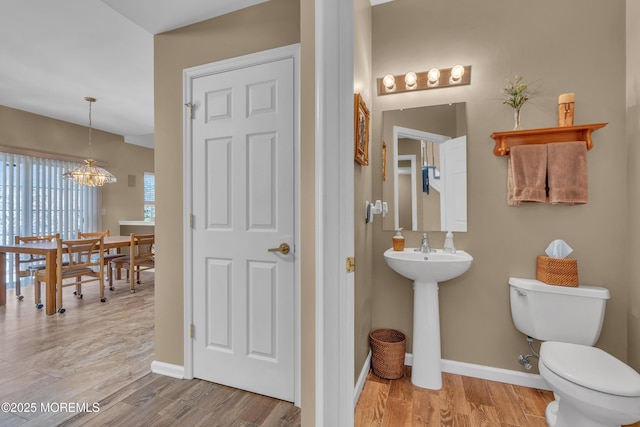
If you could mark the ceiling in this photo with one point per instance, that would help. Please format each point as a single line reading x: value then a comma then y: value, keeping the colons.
x: 53, y: 54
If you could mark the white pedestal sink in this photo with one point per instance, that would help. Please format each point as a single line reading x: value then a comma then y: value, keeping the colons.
x: 427, y: 270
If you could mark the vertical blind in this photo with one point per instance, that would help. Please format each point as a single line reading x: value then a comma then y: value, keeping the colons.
x: 36, y: 200
x: 149, y: 196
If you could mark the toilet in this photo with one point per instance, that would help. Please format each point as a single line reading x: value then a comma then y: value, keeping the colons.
x: 591, y: 387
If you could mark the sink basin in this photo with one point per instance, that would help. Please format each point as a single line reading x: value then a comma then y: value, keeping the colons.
x: 426, y: 270
x: 428, y: 267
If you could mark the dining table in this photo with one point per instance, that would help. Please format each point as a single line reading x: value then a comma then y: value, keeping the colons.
x: 49, y: 250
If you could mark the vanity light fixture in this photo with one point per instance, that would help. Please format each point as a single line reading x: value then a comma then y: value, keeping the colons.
x: 458, y: 75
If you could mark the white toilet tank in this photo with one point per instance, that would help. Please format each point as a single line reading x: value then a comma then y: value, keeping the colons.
x: 558, y: 313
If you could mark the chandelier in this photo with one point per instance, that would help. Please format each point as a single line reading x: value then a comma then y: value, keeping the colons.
x: 90, y: 174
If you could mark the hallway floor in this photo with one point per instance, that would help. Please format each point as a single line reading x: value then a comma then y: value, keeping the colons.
x: 95, y: 358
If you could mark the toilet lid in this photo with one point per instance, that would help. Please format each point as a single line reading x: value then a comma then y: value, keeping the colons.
x: 590, y: 367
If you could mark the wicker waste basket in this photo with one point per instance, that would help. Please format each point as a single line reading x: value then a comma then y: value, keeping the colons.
x: 387, y: 353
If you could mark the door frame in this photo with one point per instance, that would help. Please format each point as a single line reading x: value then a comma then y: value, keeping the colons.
x: 189, y: 74
x: 334, y: 68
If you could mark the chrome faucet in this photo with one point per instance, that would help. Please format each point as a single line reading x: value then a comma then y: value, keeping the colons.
x: 424, y: 247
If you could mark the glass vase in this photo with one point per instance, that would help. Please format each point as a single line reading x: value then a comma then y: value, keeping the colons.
x: 516, y: 118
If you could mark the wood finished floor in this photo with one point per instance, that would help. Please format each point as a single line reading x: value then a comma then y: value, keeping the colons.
x: 462, y: 401
x: 101, y: 353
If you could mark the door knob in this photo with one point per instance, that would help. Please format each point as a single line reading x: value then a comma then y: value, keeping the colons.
x: 283, y: 249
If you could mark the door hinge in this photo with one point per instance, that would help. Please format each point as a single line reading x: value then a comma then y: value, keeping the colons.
x: 351, y: 264
x: 190, y: 220
x: 191, y: 330
x: 190, y: 107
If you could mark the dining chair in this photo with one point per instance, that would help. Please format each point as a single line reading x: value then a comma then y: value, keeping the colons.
x: 141, y: 257
x: 33, y: 262
x: 107, y: 256
x: 75, y: 261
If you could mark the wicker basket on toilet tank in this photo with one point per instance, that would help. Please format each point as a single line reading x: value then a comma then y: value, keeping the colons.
x: 557, y: 271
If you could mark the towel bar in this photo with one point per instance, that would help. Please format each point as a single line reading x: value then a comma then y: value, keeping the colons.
x: 507, y: 139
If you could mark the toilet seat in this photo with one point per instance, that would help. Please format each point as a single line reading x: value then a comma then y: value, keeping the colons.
x: 590, y: 367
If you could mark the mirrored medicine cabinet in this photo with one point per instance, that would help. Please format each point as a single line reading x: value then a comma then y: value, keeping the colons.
x: 425, y: 177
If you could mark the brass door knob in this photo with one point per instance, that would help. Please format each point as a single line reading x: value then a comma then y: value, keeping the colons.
x: 283, y: 249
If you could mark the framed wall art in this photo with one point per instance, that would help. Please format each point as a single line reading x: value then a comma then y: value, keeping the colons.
x: 384, y: 161
x: 361, y: 131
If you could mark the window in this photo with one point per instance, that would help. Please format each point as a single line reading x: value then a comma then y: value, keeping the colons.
x: 149, y: 196
x: 36, y: 200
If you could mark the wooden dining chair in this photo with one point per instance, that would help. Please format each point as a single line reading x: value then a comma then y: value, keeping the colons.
x: 76, y: 264
x: 141, y: 257
x: 107, y: 256
x: 31, y: 262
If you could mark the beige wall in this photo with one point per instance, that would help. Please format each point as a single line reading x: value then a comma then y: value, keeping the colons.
x: 265, y: 26
x: 363, y: 233
x: 558, y: 47
x: 633, y: 160
x: 121, y: 202
x: 308, y: 211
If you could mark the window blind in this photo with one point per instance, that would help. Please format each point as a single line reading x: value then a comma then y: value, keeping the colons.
x: 36, y: 200
x: 149, y: 196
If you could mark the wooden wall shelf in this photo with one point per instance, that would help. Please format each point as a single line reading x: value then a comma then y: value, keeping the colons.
x: 507, y: 139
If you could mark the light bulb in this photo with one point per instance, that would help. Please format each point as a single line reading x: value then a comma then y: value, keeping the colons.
x: 410, y: 80
x: 389, y: 83
x: 456, y: 74
x: 433, y: 77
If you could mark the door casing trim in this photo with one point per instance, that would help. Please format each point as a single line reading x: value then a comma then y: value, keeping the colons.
x: 335, y: 294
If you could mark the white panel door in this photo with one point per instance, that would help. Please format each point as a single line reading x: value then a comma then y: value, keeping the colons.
x: 454, y: 163
x: 243, y: 201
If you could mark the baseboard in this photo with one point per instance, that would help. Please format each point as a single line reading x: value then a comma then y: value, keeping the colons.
x: 488, y: 373
x: 167, y: 369
x: 361, y: 379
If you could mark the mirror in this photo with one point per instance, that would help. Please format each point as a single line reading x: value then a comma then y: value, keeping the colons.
x: 425, y: 176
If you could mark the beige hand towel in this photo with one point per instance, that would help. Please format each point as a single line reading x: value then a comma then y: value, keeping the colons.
x: 568, y: 173
x: 527, y: 174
